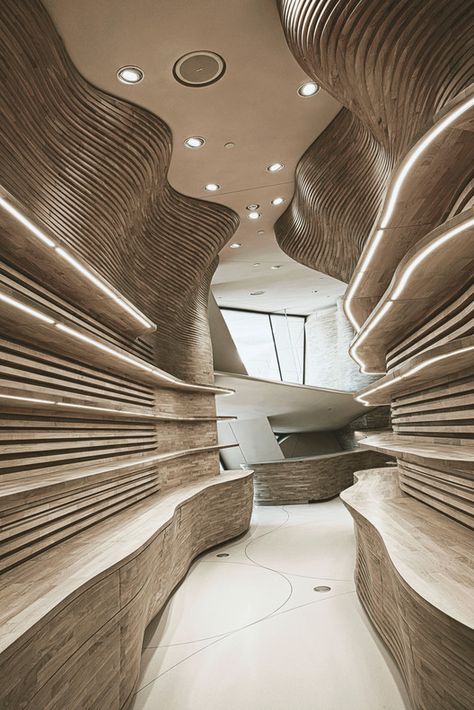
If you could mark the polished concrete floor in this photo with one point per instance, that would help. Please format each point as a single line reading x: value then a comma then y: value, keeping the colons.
x: 248, y: 631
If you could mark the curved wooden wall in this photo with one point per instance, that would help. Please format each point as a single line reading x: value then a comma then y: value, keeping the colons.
x: 394, y: 65
x: 424, y: 617
x: 109, y: 462
x: 92, y: 169
x: 310, y: 478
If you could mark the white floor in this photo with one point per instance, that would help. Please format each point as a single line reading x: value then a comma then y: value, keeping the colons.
x: 248, y: 631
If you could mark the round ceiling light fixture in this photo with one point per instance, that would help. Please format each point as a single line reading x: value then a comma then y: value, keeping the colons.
x: 235, y: 245
x: 212, y: 187
x: 253, y: 215
x: 309, y: 88
x: 199, y: 68
x: 253, y: 207
x: 130, y: 75
x: 276, y: 266
x: 278, y: 201
x: 229, y: 145
x: 256, y: 293
x: 275, y: 167
x: 261, y: 232
x: 194, y: 142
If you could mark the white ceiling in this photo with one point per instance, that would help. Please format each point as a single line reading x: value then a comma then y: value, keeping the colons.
x: 255, y: 106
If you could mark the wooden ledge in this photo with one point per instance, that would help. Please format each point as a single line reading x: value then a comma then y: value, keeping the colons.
x: 456, y: 356
x: 16, y: 489
x: 408, y: 448
x: 436, y: 280
x: 85, y: 346
x: 22, y: 248
x: 319, y: 457
x: 427, y: 193
x: 431, y: 553
x: 37, y: 588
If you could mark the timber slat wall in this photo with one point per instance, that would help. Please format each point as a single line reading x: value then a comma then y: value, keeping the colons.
x: 109, y: 463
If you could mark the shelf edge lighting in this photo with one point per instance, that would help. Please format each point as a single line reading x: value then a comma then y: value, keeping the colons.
x: 151, y: 369
x: 72, y: 261
x: 412, y: 371
x: 392, y: 196
x: 405, y: 277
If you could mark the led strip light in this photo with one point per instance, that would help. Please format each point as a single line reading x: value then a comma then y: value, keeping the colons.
x: 105, y: 348
x: 39, y: 234
x: 406, y: 275
x: 392, y: 196
x: 412, y: 371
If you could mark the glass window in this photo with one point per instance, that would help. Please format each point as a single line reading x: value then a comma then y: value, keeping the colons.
x: 271, y: 345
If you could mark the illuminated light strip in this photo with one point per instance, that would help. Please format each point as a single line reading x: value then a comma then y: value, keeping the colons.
x: 412, y: 371
x: 27, y: 399
x: 103, y: 287
x: 75, y: 263
x: 26, y: 222
x: 101, y: 346
x: 26, y: 309
x: 406, y: 275
x: 105, y: 348
x: 394, y: 191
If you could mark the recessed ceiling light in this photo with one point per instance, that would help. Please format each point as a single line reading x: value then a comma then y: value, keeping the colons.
x: 276, y: 266
x: 235, y: 245
x: 229, y: 145
x: 254, y: 215
x: 278, y: 201
x: 257, y: 263
x: 256, y: 293
x: 212, y: 187
x: 275, y: 167
x: 252, y: 207
x: 261, y: 232
x: 194, y: 142
x: 309, y: 88
x: 130, y: 75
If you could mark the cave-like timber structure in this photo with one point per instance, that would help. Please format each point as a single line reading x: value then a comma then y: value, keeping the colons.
x: 404, y: 72
x: 109, y: 463
x: 394, y: 66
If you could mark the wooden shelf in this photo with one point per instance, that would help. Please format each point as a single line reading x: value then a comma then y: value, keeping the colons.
x: 114, y: 577
x: 28, y: 328
x: 23, y: 249
x: 436, y: 281
x: 404, y: 447
x: 15, y: 489
x: 430, y: 188
x: 80, y: 407
x: 435, y: 373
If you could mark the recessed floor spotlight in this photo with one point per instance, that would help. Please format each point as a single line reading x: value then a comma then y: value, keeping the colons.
x: 252, y: 207
x: 235, y: 245
x: 194, y: 142
x: 278, y: 201
x: 309, y: 88
x: 275, y: 167
x: 253, y: 215
x: 212, y: 187
x: 256, y: 293
x: 130, y: 75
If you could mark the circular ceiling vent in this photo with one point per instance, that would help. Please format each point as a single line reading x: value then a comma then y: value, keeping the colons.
x: 199, y: 68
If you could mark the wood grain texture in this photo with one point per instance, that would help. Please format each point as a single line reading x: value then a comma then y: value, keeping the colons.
x: 309, y: 479
x: 92, y: 169
x: 424, y: 617
x: 438, y: 278
x: 393, y: 66
x: 73, y: 618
